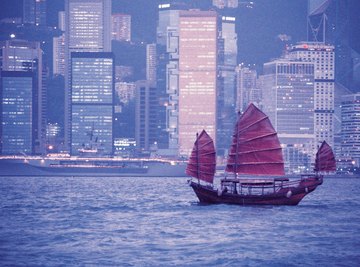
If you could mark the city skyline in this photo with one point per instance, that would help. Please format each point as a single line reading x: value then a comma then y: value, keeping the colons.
x: 189, y: 70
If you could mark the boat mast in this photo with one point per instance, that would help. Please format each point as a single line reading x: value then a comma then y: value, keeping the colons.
x: 237, y: 147
x: 197, y: 157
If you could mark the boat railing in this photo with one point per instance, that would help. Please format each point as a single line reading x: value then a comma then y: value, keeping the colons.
x: 257, y: 186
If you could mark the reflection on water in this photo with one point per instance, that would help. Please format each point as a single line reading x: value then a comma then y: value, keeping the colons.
x: 158, y: 222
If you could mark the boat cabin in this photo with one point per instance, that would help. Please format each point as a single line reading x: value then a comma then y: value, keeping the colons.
x: 246, y: 186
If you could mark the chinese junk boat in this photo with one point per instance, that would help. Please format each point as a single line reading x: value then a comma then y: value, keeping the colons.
x: 255, y: 151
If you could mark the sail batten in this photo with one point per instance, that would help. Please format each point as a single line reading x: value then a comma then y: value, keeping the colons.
x: 202, y: 161
x: 259, y: 137
x: 258, y: 150
x: 255, y: 122
x: 255, y: 147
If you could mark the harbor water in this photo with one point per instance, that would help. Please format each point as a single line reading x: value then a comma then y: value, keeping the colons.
x: 102, y: 221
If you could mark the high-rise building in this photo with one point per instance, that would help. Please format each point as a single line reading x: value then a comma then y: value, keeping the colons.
x: 350, y: 128
x: 92, y: 102
x: 34, y: 12
x: 226, y: 99
x: 247, y: 89
x: 168, y: 72
x: 18, y: 113
x: 88, y: 29
x: 151, y: 63
x: 59, y: 47
x: 323, y: 57
x: 121, y: 27
x: 198, y: 36
x: 59, y: 55
x: 88, y: 25
x: 288, y: 100
x: 146, y: 116
x: 26, y: 56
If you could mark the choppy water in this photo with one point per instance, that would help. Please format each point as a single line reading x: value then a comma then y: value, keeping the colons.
x: 158, y: 222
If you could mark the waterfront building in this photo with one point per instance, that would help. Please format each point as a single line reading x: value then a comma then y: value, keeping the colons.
x: 53, y: 138
x: 323, y: 58
x: 350, y: 128
x: 288, y: 100
x: 121, y: 27
x: 124, y: 147
x: 88, y: 29
x: 146, y: 116
x: 197, y: 110
x: 92, y: 102
x: 26, y: 56
x: 18, y: 113
x: 34, y: 12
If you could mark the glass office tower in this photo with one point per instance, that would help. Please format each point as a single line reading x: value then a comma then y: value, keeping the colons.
x: 198, y: 35
x: 288, y: 100
x: 92, y: 94
x: 323, y: 58
x: 18, y: 110
x: 350, y: 128
x: 88, y: 29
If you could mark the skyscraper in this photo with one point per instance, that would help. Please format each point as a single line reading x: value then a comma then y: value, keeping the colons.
x: 34, y: 12
x: 59, y: 55
x: 88, y: 29
x: 151, y: 63
x: 26, y: 56
x: 247, y: 88
x: 92, y: 102
x: 121, y: 27
x: 197, y: 76
x: 88, y: 25
x: 350, y: 128
x: 167, y: 40
x: 59, y: 47
x: 18, y: 113
x: 288, y: 100
x: 146, y: 116
x: 226, y: 97
x: 323, y: 57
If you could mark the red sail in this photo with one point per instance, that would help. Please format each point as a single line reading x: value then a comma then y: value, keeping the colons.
x: 325, y: 159
x: 255, y: 147
x: 202, y: 161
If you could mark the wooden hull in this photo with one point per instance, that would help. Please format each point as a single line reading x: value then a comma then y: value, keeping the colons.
x: 287, y: 194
